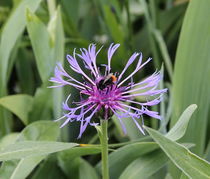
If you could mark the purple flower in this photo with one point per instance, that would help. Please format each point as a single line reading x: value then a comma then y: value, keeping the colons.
x: 109, y: 93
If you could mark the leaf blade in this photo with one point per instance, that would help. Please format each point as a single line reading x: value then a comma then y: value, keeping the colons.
x: 20, y: 105
x: 191, y: 76
x: 192, y: 165
x: 26, y: 149
x: 180, y: 127
x: 145, y: 166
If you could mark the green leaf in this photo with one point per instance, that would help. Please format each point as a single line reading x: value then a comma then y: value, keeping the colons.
x: 169, y: 18
x: 48, y: 46
x: 192, y: 165
x: 20, y: 105
x: 78, y: 168
x: 79, y: 151
x: 21, y: 169
x: 70, y: 159
x: 114, y: 27
x: 42, y: 45
x: 40, y: 131
x: 71, y: 17
x: 133, y: 132
x: 164, y: 51
x: 10, y: 33
x: 58, y: 56
x: 55, y: 30
x: 192, y: 71
x: 26, y: 149
x: 42, y: 100
x: 145, y: 166
x: 70, y: 167
x: 86, y: 171
x: 180, y: 127
x: 207, y: 153
x: 25, y: 71
x: 47, y: 42
x: 122, y: 157
x: 8, y: 139
x: 49, y: 169
x: 183, y: 176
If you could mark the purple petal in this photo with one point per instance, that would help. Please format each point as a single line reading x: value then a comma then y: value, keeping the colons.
x: 87, y: 121
x: 137, y: 124
x: 153, y: 114
x: 121, y: 122
x: 130, y: 61
x: 111, y: 51
x: 138, y: 67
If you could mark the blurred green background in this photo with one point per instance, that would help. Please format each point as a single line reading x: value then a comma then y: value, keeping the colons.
x: 35, y: 34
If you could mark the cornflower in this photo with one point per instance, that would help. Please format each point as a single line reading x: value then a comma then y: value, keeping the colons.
x: 106, y: 94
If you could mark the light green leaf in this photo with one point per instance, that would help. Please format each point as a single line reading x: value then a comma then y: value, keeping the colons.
x: 192, y: 165
x: 180, y: 127
x: 79, y: 151
x: 57, y: 33
x: 21, y: 169
x: 47, y: 42
x: 20, y: 105
x: 164, y: 51
x: 48, y: 46
x: 192, y: 72
x: 145, y: 166
x: 10, y: 33
x: 8, y: 139
x: 42, y: 45
x: 40, y: 131
x: 55, y: 30
x: 168, y: 176
x: 26, y: 149
x: 122, y: 157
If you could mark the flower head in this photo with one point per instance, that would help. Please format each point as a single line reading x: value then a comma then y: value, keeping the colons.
x: 108, y: 93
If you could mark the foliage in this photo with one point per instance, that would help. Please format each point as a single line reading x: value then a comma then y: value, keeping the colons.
x: 34, y: 35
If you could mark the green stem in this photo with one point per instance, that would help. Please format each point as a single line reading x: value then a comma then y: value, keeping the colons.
x: 104, y: 149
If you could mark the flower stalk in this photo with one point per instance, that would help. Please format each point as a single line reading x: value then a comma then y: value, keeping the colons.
x: 104, y: 149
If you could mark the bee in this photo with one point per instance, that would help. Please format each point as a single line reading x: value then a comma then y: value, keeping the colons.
x: 108, y: 80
